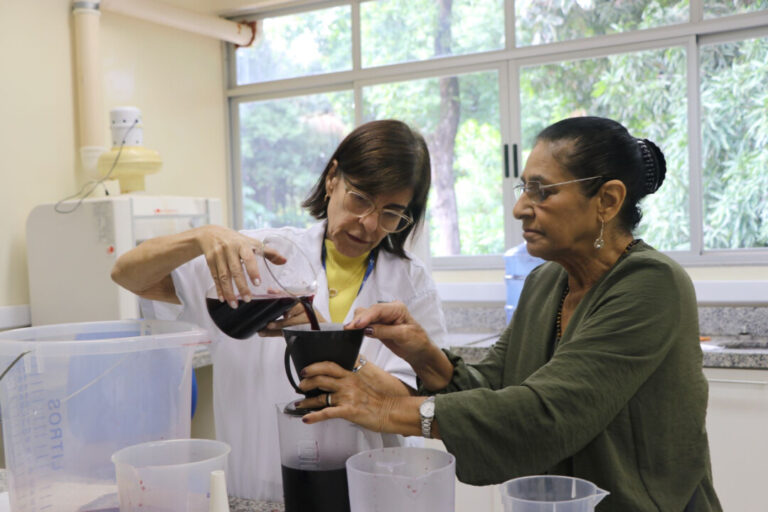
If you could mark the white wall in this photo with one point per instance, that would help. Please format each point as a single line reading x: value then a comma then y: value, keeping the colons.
x: 174, y: 77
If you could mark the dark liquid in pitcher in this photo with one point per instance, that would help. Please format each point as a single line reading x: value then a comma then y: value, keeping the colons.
x: 251, y: 317
x: 315, y: 491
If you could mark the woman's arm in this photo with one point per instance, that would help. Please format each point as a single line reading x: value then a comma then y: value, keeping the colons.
x: 146, y: 269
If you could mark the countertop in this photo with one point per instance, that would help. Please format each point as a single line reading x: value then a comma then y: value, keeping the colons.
x: 747, y: 352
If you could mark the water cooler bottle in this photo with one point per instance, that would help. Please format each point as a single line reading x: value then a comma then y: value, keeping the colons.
x: 517, y: 264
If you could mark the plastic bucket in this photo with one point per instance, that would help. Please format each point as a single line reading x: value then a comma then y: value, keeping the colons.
x: 83, y: 391
x: 401, y: 479
x: 550, y: 494
x: 172, y: 475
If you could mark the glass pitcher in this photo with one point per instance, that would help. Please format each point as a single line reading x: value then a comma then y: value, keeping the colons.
x: 281, y: 287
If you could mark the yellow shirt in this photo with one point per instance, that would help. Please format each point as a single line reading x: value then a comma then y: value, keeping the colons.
x: 345, y: 275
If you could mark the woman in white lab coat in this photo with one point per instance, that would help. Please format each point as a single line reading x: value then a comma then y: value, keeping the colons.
x: 369, y: 198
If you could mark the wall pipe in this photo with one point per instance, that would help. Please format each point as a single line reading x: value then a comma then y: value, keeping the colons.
x: 91, y: 120
x: 241, y: 34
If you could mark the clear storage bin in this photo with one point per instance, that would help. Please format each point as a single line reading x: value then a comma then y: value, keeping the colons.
x: 82, y: 391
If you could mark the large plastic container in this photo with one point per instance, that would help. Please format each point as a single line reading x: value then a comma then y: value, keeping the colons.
x: 547, y: 493
x: 172, y: 475
x: 401, y: 479
x: 81, y: 392
x: 517, y: 265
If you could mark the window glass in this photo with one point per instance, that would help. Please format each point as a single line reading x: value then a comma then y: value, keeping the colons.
x: 459, y: 118
x: 734, y: 104
x: 646, y: 92
x: 545, y: 21
x: 295, y: 45
x: 395, y: 31
x: 284, y: 146
x: 718, y: 8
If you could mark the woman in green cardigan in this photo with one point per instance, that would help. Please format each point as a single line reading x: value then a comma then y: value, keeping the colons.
x: 598, y: 375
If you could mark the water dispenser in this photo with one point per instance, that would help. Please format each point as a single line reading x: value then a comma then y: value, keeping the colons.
x: 517, y: 264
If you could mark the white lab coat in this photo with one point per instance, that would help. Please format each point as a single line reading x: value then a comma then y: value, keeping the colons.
x: 249, y: 376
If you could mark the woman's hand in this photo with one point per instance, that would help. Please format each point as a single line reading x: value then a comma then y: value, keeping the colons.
x: 294, y: 316
x: 227, y: 252
x: 352, y: 398
x: 394, y: 326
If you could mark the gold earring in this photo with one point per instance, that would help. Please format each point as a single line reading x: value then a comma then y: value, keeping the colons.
x: 599, y: 241
x: 327, y: 197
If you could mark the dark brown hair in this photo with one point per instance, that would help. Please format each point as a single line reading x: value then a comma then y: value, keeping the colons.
x: 377, y: 157
x: 603, y: 147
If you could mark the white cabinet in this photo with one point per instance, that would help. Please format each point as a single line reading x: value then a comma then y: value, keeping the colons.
x: 737, y: 424
x: 470, y: 498
x: 70, y: 255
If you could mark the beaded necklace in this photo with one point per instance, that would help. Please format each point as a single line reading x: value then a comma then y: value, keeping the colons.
x: 559, y: 318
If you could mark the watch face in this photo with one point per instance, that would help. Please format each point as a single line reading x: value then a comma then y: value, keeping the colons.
x: 427, y: 408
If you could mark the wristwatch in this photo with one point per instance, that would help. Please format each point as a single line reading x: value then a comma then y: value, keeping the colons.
x: 427, y: 412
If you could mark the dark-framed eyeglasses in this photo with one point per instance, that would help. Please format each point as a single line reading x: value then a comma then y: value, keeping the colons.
x: 360, y: 204
x: 537, y: 192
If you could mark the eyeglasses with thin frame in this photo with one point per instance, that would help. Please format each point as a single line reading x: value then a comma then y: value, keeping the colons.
x: 537, y: 192
x: 358, y: 203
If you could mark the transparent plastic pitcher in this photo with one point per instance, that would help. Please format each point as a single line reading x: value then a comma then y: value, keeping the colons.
x: 401, y: 479
x: 79, y: 393
x: 550, y: 494
x: 168, y: 476
x: 313, y: 460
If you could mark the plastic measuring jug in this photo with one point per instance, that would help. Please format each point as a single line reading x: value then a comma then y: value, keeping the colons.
x: 168, y: 476
x: 402, y: 478
x: 550, y: 494
x: 83, y: 391
x: 313, y: 457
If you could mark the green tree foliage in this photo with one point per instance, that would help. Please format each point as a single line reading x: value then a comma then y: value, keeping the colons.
x: 301, y: 44
x: 284, y: 146
x: 734, y: 100
x: 477, y: 163
x: 395, y: 31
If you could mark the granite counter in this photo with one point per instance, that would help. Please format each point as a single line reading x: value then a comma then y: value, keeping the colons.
x: 714, y: 355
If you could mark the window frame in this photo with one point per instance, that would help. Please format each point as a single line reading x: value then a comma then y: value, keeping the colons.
x: 508, y: 61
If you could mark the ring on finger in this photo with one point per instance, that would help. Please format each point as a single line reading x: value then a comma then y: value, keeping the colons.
x: 362, y: 361
x: 328, y: 400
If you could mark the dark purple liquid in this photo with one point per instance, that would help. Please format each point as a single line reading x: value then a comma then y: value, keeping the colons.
x: 307, y: 303
x: 251, y: 317
x: 315, y: 491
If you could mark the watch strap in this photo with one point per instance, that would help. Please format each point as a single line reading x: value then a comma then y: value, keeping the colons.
x: 426, y: 420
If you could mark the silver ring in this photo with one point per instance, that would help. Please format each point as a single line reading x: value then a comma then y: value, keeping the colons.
x: 359, y: 365
x: 328, y: 400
